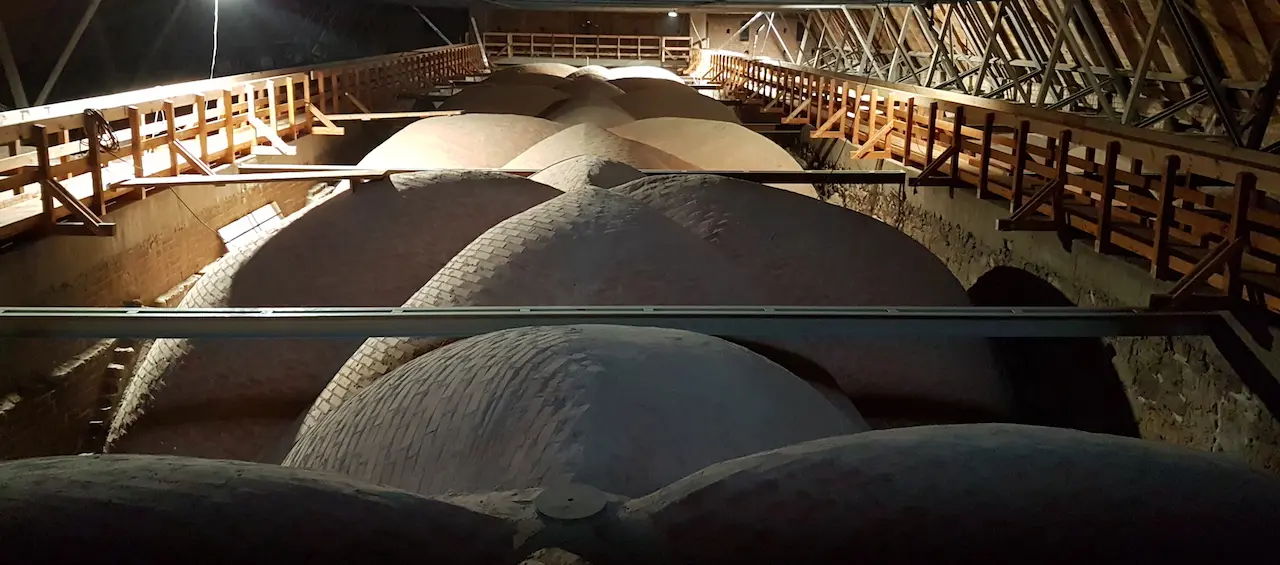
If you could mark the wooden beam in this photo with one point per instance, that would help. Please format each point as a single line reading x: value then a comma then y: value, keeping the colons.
x: 252, y: 178
x: 359, y: 106
x: 392, y: 115
x: 1238, y: 230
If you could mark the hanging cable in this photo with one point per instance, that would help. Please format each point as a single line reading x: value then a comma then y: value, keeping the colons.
x: 213, y: 63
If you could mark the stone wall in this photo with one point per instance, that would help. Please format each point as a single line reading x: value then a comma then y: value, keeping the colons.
x: 1181, y: 390
x: 46, y: 402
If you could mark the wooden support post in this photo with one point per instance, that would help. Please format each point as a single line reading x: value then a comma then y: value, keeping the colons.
x: 135, y: 148
x: 1020, y: 157
x: 873, y: 106
x: 984, y: 163
x: 229, y: 125
x: 93, y: 138
x: 251, y: 114
x: 323, y: 103
x: 335, y: 90
x: 933, y: 132
x: 1238, y: 230
x: 292, y: 100
x: 273, y: 110
x: 202, y: 126
x: 1061, y: 178
x: 1103, y: 242
x: 889, y: 114
x: 171, y: 136
x: 957, y: 141
x: 909, y: 131
x: 857, y: 116
x: 1164, y: 217
x: 844, y: 107
x: 306, y: 94
x: 43, y: 166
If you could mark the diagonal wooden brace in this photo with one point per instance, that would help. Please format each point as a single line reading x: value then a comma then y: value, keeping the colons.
x: 792, y: 117
x: 90, y: 222
x: 870, y: 144
x: 936, y: 164
x: 1030, y: 206
x: 198, y: 163
x: 1211, y: 263
x: 328, y: 128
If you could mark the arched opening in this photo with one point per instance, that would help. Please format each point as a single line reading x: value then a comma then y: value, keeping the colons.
x: 1059, y: 382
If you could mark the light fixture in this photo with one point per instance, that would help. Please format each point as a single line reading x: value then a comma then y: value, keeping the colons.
x: 671, y: 14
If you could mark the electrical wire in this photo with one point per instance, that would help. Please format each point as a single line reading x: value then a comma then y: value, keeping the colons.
x: 213, y: 63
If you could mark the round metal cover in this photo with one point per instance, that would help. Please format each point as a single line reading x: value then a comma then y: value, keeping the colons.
x: 570, y: 501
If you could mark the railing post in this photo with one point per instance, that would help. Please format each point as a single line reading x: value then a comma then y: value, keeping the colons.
x: 984, y: 169
x: 93, y: 137
x: 229, y: 125
x: 1020, y: 157
x: 171, y: 137
x: 957, y: 139
x: 1102, y: 243
x: 43, y: 166
x: 1238, y: 229
x: 1164, y: 217
x: 202, y: 126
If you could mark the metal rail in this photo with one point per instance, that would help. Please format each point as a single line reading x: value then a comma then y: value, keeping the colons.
x: 828, y: 176
x: 742, y: 321
x: 1238, y: 344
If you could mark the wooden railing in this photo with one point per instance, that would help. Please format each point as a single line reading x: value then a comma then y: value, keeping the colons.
x: 664, y: 49
x: 65, y: 159
x: 1197, y: 212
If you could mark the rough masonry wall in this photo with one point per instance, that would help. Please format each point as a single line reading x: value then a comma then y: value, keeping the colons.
x: 159, y: 242
x: 721, y: 32
x: 1181, y: 390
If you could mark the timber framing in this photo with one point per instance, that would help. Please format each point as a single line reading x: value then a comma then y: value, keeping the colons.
x: 1170, y: 200
x: 1205, y: 67
x: 61, y: 177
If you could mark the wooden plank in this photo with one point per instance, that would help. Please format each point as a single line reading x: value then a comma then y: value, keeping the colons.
x: 392, y: 115
x: 254, y: 178
x: 1164, y: 218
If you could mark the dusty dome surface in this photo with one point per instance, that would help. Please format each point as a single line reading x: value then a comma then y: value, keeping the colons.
x: 552, y: 69
x: 146, y: 509
x: 803, y: 252
x: 587, y: 139
x: 577, y: 173
x: 989, y: 493
x: 589, y: 71
x: 658, y: 103
x: 589, y: 86
x: 598, y: 112
x: 703, y: 142
x: 525, y: 100
x: 236, y: 399
x: 588, y: 247
x: 632, y: 409
x: 638, y: 84
x: 643, y: 71
x: 469, y: 141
